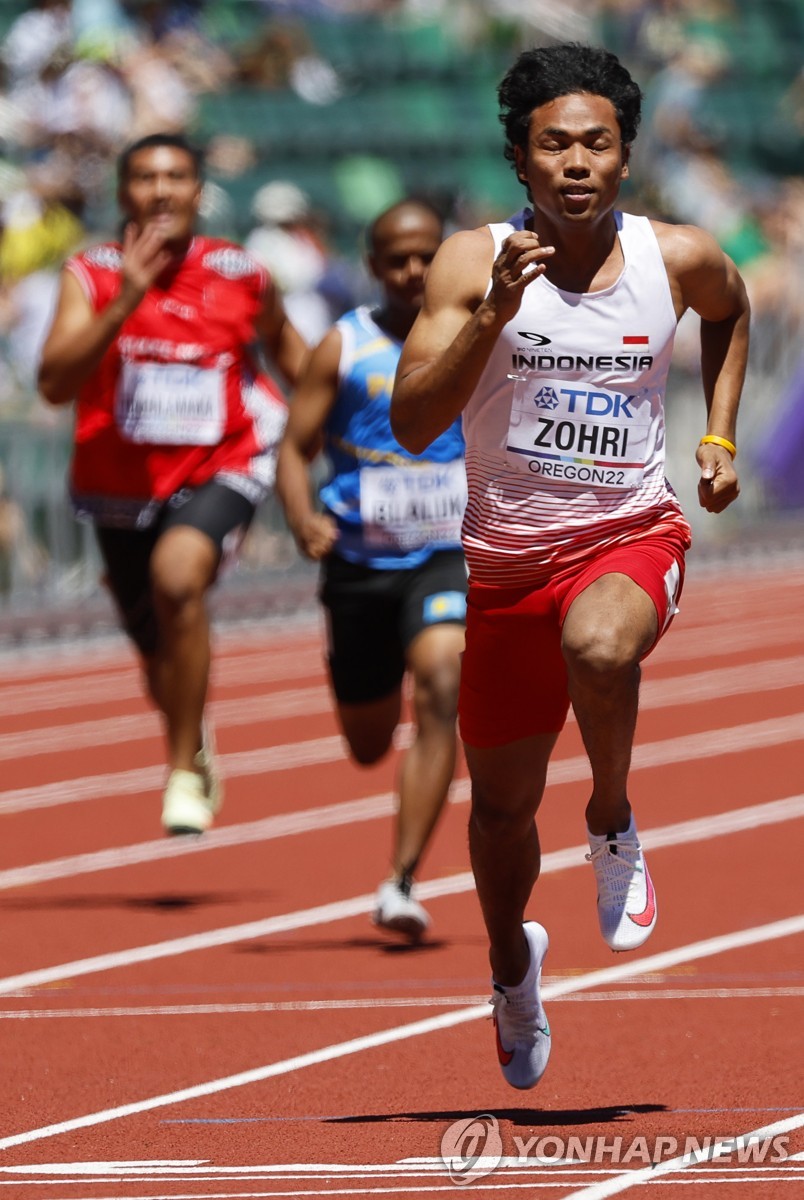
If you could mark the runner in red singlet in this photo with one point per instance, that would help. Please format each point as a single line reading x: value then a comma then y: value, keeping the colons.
x: 551, y: 333
x: 176, y: 430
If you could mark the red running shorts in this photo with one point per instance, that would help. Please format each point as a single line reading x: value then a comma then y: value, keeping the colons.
x: 513, y: 677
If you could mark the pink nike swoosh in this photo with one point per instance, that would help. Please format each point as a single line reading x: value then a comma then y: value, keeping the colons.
x: 503, y: 1055
x: 645, y: 918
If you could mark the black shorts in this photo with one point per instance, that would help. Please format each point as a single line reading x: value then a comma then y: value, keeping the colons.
x: 218, y: 511
x: 373, y: 616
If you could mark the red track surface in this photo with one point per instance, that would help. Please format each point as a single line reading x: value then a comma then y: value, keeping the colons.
x: 222, y: 1066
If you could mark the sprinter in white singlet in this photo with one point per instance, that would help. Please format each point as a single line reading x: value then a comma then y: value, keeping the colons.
x: 551, y: 334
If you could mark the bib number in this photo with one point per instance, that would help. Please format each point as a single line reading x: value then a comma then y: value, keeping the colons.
x: 404, y: 508
x: 170, y: 404
x: 565, y: 433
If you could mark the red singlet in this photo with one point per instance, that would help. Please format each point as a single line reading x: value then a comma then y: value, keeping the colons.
x: 177, y: 398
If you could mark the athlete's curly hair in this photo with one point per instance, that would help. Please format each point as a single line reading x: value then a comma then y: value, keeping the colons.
x: 547, y: 72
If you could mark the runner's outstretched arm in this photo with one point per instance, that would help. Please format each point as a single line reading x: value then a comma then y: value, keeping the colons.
x: 450, y: 343
x: 314, y: 532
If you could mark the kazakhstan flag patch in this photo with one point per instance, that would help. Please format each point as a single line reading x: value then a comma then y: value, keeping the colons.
x: 445, y: 606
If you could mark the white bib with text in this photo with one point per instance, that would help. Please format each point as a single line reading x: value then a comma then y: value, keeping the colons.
x: 170, y: 404
x: 408, y: 507
x: 570, y: 433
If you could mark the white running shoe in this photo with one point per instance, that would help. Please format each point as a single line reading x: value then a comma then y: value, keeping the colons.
x: 397, y: 911
x: 185, y: 807
x: 522, y: 1031
x: 626, y: 901
x: 192, y: 798
x: 205, y: 765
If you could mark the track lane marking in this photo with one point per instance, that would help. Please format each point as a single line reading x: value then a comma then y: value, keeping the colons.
x: 261, y: 666
x: 711, y: 743
x: 289, y: 756
x: 635, y: 1178
x: 327, y: 816
x: 112, y: 652
x: 262, y: 708
x: 191, y: 1169
x: 267, y: 707
x: 306, y: 659
x: 699, y: 829
x: 404, y: 1191
x: 374, y: 1002
x: 738, y: 939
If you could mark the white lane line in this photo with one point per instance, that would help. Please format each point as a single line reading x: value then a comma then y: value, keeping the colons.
x: 696, y: 688
x: 405, y: 1191
x: 708, y: 744
x: 291, y: 1171
x: 328, y: 816
x: 735, y: 821
x: 266, y: 829
x: 305, y: 659
x: 701, y: 643
x: 236, y: 650
x: 394, y: 1184
x: 192, y: 1168
x: 264, y: 666
x: 680, y: 833
x: 336, y: 911
x: 550, y: 1179
x: 403, y: 1169
x: 121, y: 1166
x: 629, y: 1179
x: 769, y: 675
x: 739, y: 939
x: 285, y: 757
x: 144, y: 726
x: 375, y: 1002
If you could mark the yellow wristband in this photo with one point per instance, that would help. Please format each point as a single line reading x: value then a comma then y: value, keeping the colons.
x: 719, y: 441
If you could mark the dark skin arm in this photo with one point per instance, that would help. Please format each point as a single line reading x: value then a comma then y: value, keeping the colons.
x: 315, y: 533
x: 705, y: 279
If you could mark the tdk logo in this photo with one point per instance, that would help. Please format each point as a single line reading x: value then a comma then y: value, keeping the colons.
x: 546, y: 398
x: 538, y: 339
x: 593, y: 404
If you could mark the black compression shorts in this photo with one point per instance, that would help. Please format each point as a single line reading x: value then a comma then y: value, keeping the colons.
x: 373, y: 616
x: 216, y: 510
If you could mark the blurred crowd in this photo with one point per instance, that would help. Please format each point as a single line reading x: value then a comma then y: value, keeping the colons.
x: 81, y: 78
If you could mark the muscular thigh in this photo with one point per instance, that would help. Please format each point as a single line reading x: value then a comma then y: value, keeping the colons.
x: 626, y: 597
x: 219, y: 513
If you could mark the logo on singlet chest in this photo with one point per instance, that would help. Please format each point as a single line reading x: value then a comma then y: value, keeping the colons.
x: 564, y: 433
